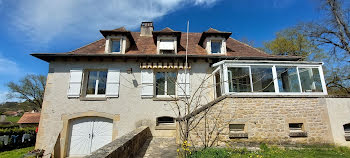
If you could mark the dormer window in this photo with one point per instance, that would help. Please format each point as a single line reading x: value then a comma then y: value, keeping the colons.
x: 166, y: 45
x: 116, y: 46
x: 216, y: 46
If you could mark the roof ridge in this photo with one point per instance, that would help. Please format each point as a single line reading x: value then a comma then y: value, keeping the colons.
x: 85, y: 45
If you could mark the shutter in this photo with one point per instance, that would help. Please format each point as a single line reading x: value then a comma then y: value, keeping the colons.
x: 112, y: 88
x: 183, y: 80
x: 147, y: 83
x: 75, y: 83
x: 166, y: 45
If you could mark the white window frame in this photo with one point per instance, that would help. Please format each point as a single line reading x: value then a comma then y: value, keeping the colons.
x: 165, y: 85
x: 171, y: 38
x: 109, y: 42
x: 273, y: 66
x: 96, y: 85
x: 208, y: 45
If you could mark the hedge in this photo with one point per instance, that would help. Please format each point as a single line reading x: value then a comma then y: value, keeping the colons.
x: 17, y: 131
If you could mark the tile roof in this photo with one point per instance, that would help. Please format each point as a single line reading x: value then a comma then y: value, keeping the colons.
x: 146, y: 45
x: 30, y: 118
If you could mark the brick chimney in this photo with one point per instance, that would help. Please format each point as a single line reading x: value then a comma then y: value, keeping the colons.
x: 146, y: 28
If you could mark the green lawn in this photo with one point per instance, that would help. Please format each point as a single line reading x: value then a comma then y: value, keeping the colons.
x: 13, y: 119
x: 274, y: 152
x: 17, y: 153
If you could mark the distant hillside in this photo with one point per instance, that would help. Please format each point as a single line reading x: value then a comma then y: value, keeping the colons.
x: 15, y: 106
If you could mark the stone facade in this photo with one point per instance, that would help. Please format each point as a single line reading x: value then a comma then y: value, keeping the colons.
x: 266, y: 119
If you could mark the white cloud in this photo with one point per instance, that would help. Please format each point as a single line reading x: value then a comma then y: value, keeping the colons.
x: 8, y: 67
x: 44, y: 20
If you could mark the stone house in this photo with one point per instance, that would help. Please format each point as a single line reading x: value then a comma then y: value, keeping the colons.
x: 29, y: 119
x: 105, y: 89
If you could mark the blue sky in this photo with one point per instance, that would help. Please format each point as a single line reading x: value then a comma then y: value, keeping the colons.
x: 41, y: 26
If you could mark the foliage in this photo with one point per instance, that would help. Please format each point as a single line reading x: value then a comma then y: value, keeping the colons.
x: 17, y: 131
x: 291, y: 41
x: 273, y: 152
x: 30, y: 88
x: 15, y: 106
x: 13, y: 119
x: 15, y: 153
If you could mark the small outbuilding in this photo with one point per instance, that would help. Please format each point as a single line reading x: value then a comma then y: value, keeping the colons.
x: 29, y: 119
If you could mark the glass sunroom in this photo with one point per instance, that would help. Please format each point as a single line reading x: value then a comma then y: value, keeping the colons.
x: 269, y: 78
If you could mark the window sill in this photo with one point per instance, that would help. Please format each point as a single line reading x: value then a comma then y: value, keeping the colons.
x: 165, y: 127
x: 235, y: 135
x: 165, y: 99
x: 298, y: 134
x: 93, y: 99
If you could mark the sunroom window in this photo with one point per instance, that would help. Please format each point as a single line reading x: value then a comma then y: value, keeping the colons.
x: 262, y: 79
x: 239, y: 79
x: 288, y: 79
x: 310, y: 80
x: 165, y: 83
x: 96, y: 83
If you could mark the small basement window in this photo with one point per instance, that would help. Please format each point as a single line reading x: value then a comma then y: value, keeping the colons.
x: 296, y: 127
x: 297, y: 130
x: 237, y: 131
x: 347, y: 131
x: 165, y: 120
x: 236, y: 127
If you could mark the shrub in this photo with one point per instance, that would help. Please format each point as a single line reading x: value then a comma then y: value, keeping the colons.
x: 17, y: 131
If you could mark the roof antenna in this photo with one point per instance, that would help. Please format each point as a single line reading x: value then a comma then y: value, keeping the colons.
x: 188, y: 25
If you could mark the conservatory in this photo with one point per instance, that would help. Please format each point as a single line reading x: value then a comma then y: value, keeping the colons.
x: 240, y: 77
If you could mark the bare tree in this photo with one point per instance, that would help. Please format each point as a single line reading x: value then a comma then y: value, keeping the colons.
x: 30, y: 89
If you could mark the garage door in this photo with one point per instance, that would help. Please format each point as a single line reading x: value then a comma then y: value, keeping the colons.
x: 89, y: 134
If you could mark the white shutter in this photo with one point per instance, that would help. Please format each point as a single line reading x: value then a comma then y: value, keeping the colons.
x: 183, y: 80
x: 147, y: 83
x: 166, y: 45
x: 76, y: 76
x: 112, y: 88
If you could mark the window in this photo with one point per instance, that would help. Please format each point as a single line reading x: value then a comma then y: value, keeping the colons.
x: 347, y: 131
x: 165, y: 83
x: 296, y: 127
x: 237, y: 131
x: 310, y: 80
x: 166, y: 46
x: 288, y: 79
x: 239, y: 79
x: 96, y: 83
x: 216, y: 46
x: 297, y: 130
x: 165, y: 120
x: 116, y: 46
x: 262, y: 79
x: 236, y: 127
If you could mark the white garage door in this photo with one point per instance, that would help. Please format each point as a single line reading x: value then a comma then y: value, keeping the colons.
x: 89, y: 134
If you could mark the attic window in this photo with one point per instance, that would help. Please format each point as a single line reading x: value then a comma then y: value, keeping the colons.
x: 216, y: 46
x: 116, y: 46
x: 166, y: 46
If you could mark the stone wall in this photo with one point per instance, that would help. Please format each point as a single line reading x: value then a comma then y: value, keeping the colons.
x: 124, y: 147
x: 266, y: 120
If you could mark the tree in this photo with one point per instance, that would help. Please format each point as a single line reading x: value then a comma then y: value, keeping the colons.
x: 332, y: 31
x: 332, y: 34
x: 291, y: 42
x: 30, y: 89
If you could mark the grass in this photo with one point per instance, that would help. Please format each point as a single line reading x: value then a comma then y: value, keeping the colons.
x: 13, y: 119
x: 17, y: 153
x: 274, y: 152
